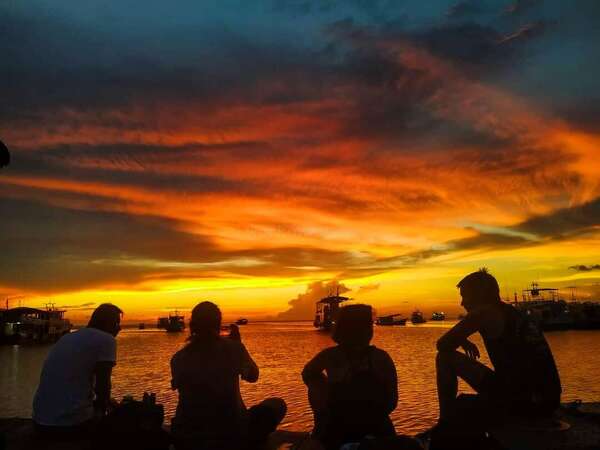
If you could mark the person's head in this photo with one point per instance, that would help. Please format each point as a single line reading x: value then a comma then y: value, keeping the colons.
x: 106, y: 317
x: 354, y: 326
x: 478, y: 289
x: 206, y: 321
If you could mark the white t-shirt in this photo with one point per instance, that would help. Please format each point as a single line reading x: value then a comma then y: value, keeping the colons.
x: 66, y: 391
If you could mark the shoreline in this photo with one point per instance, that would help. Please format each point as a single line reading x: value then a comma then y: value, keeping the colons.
x: 577, y: 428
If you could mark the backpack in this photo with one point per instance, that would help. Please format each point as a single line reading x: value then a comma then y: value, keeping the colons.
x: 358, y: 403
x: 133, y: 425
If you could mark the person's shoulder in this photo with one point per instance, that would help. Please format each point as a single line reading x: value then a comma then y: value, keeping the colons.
x: 484, y: 312
x: 331, y: 351
x: 97, y: 335
x: 178, y: 356
x: 380, y: 354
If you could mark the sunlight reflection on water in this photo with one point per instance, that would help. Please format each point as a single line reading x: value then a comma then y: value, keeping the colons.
x: 281, y: 350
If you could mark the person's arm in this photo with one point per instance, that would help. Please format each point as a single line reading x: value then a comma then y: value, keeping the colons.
x: 458, y: 336
x: 174, y: 372
x: 248, y: 370
x: 315, y: 379
x: 390, y: 381
x: 102, y: 374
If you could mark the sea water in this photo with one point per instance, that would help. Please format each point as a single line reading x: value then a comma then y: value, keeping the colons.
x: 281, y: 350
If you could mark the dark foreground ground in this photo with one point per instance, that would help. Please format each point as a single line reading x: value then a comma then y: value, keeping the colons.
x: 579, y: 430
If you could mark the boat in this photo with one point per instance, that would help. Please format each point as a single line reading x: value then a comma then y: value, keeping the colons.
x: 241, y: 321
x: 142, y: 326
x: 172, y: 324
x: 24, y: 325
x: 390, y: 320
x: 438, y: 316
x: 417, y: 317
x: 327, y: 310
x: 552, y: 313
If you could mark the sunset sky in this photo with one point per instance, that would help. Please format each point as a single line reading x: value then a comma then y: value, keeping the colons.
x: 257, y: 153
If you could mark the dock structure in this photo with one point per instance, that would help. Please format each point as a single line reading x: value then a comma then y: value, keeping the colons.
x: 580, y: 430
x: 22, y: 325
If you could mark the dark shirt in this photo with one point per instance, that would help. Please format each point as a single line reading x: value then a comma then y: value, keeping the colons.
x: 362, y: 390
x: 524, y: 367
x: 338, y: 364
x: 210, y: 407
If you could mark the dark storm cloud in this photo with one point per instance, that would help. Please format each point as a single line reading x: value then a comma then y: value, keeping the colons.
x: 57, y: 248
x: 558, y: 225
x: 521, y: 6
x: 133, y: 166
x: 57, y: 63
x: 70, y: 71
x: 465, y: 8
x: 64, y: 65
x: 52, y: 248
x: 563, y: 223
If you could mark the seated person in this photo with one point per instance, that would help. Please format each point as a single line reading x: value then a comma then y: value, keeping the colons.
x: 524, y: 380
x: 352, y: 387
x: 78, y: 366
x: 211, y: 413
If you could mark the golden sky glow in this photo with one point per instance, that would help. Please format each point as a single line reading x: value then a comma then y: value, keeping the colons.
x: 393, y: 159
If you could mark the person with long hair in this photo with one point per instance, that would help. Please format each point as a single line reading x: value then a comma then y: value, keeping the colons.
x: 352, y: 386
x: 211, y: 413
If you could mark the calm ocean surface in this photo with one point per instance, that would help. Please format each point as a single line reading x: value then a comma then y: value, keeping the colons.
x: 281, y: 350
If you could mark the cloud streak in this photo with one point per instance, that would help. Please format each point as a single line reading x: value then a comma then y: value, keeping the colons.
x: 216, y: 146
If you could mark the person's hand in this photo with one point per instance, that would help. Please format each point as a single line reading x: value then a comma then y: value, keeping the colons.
x: 318, y: 394
x: 471, y: 350
x: 234, y: 332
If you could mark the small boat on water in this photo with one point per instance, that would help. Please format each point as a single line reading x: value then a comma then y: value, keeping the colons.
x: 327, y: 310
x: 546, y: 307
x: 142, y: 326
x: 174, y: 323
x: 438, y: 316
x: 25, y: 325
x: 241, y: 321
x: 417, y: 317
x: 390, y: 320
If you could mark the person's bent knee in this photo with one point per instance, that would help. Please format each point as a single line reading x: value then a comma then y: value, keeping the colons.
x: 278, y: 406
x: 446, y: 357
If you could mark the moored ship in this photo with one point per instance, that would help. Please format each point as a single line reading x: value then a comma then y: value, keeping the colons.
x: 327, y: 310
x: 391, y: 320
x: 174, y: 323
x: 552, y: 313
x: 24, y: 325
x: 417, y: 317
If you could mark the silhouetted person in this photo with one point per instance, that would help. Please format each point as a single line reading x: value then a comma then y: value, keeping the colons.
x: 75, y: 384
x: 524, y: 380
x: 211, y: 413
x: 352, y: 387
x: 4, y: 155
